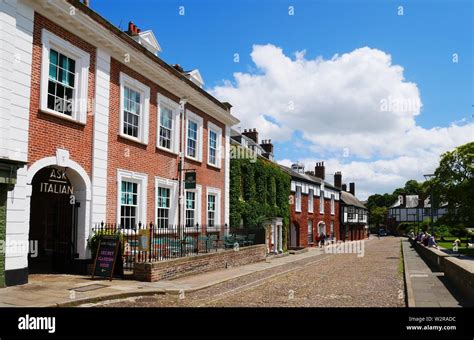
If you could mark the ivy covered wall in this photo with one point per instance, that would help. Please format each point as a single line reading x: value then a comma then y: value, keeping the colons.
x: 259, y: 189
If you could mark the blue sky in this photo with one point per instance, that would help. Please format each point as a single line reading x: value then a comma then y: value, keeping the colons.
x: 422, y: 41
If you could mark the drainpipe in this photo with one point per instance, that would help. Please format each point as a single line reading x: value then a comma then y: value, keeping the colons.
x: 181, y: 211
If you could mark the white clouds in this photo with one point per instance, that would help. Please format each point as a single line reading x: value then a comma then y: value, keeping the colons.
x: 358, y: 100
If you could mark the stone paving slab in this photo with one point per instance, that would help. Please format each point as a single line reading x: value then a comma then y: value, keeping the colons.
x: 426, y: 288
x: 55, y: 290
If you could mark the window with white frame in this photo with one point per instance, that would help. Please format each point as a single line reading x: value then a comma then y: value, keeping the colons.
x: 211, y: 210
x: 310, y: 231
x: 321, y: 202
x: 131, y: 207
x: 310, y: 200
x: 298, y: 199
x: 214, y: 145
x: 213, y: 207
x: 192, y: 139
x: 193, y: 136
x: 332, y: 228
x: 64, y: 78
x: 166, y: 202
x: 190, y: 208
x: 333, y: 204
x: 168, y: 124
x: 163, y: 207
x: 134, y: 109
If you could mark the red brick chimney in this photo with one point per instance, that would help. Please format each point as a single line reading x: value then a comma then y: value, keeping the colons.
x: 86, y: 3
x: 352, y: 188
x: 252, y: 134
x: 132, y: 29
x: 319, y: 170
x: 267, y: 145
x: 344, y: 187
x: 338, y: 179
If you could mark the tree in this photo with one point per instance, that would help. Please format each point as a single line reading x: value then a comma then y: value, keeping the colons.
x: 377, y: 215
x: 454, y: 184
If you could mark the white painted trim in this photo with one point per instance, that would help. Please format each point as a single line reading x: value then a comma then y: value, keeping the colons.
x: 83, y: 195
x: 100, y: 138
x: 217, y: 193
x: 198, y: 206
x: 298, y: 206
x: 142, y: 180
x: 218, y: 131
x: 143, y: 125
x: 175, y: 131
x: 82, y: 60
x: 226, y: 154
x: 173, y: 186
x: 199, y: 120
x: 311, y: 198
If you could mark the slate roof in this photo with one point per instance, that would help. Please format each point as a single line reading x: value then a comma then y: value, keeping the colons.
x: 349, y: 199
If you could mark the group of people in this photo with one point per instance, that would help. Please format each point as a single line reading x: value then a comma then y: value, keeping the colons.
x: 426, y: 239
x: 323, y: 239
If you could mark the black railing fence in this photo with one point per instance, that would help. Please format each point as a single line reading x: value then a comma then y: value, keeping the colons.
x: 150, y: 243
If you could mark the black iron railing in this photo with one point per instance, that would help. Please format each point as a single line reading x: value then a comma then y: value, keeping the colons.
x: 150, y: 243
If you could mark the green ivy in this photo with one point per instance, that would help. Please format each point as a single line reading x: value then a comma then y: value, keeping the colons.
x: 259, y: 189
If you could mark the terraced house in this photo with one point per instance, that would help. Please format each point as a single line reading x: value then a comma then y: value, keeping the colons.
x: 314, y: 206
x: 101, y: 129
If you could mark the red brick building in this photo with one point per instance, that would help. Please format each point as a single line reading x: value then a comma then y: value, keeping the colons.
x: 315, y: 206
x: 106, y: 125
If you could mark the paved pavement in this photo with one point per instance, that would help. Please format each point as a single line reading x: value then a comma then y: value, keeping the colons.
x: 426, y: 288
x: 64, y: 290
x: 328, y: 280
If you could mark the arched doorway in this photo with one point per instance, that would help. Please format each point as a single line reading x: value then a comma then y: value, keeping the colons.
x: 53, y: 221
x: 321, y: 229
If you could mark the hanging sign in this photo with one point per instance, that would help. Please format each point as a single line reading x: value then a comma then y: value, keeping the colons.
x: 190, y: 180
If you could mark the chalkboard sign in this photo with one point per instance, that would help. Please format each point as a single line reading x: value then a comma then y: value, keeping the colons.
x: 106, y: 256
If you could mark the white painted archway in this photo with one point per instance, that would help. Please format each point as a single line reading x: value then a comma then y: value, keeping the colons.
x: 82, y: 191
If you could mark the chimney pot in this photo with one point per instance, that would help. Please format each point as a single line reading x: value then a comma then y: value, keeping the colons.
x: 344, y: 187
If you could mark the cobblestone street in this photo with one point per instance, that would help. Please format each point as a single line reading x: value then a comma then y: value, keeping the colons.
x: 339, y: 280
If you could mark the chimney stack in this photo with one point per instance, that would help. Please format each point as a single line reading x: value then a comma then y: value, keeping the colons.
x: 252, y: 134
x: 86, y: 3
x: 344, y: 187
x: 352, y: 188
x: 338, y: 179
x: 267, y: 145
x: 319, y: 170
x: 132, y: 29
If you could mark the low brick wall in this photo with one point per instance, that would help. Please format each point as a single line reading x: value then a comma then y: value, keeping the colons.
x: 456, y: 271
x: 172, y: 269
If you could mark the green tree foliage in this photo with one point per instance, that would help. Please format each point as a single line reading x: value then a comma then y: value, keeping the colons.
x: 377, y: 215
x: 258, y: 190
x: 454, y: 184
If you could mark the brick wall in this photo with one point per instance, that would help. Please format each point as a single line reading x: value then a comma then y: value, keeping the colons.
x: 302, y: 218
x: 129, y: 155
x: 47, y: 132
x: 172, y: 269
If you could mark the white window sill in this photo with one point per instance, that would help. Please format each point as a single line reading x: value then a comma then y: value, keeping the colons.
x: 133, y: 139
x: 166, y: 150
x: 193, y: 159
x: 310, y: 212
x: 62, y: 116
x: 297, y: 211
x: 214, y: 166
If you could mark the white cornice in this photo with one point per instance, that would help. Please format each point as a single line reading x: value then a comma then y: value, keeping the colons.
x: 59, y: 11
